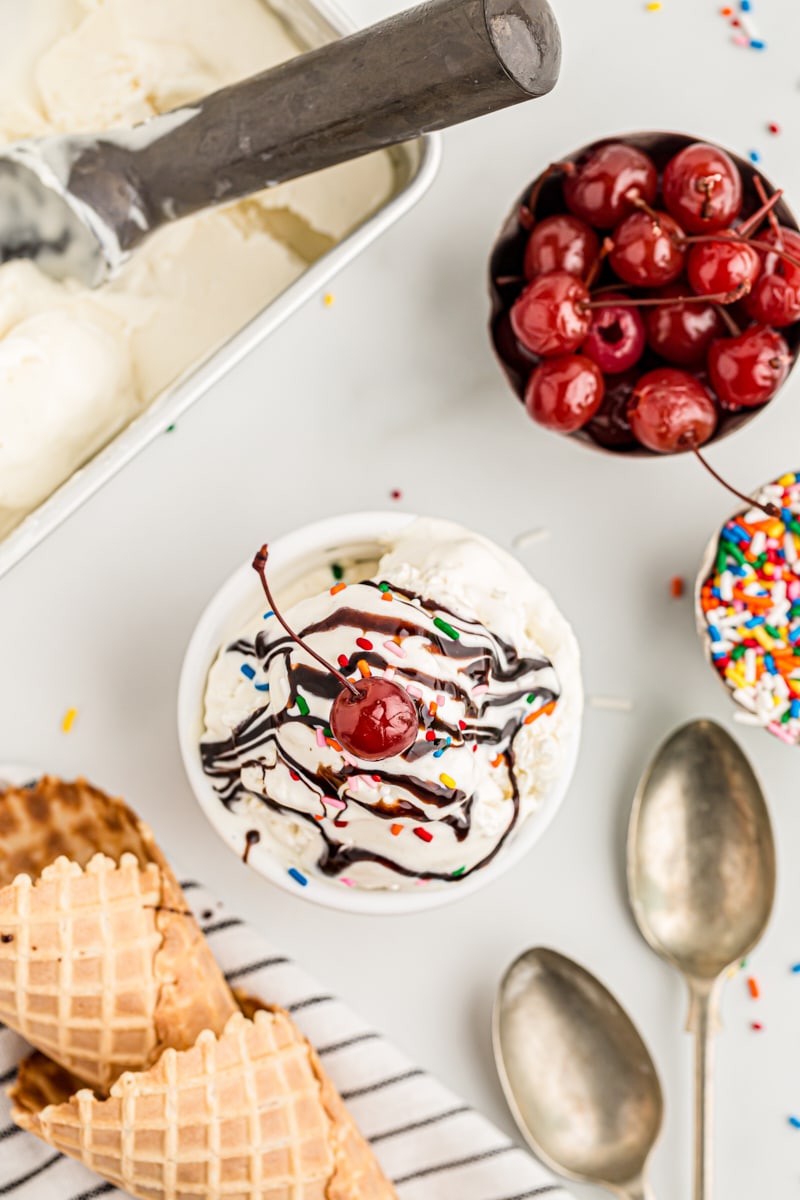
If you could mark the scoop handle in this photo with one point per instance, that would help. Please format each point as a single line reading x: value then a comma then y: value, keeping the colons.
x: 425, y: 69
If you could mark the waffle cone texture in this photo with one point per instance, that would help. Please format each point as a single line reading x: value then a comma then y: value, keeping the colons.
x: 192, y: 1094
x: 249, y: 1115
x: 102, y: 965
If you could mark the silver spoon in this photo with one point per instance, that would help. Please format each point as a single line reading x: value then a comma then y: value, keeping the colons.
x: 78, y: 205
x: 576, y: 1074
x: 701, y: 879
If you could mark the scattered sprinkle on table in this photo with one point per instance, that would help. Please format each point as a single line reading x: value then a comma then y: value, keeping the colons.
x: 677, y: 587
x: 754, y: 156
x: 774, y: 127
x: 753, y: 988
x: 795, y: 969
x: 329, y: 299
x: 750, y: 609
x: 69, y: 720
x: 757, y: 1027
x: 654, y: 6
x: 395, y: 494
x: 794, y: 1122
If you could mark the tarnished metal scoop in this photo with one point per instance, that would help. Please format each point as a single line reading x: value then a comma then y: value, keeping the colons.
x: 577, y: 1076
x: 701, y: 876
x: 79, y: 205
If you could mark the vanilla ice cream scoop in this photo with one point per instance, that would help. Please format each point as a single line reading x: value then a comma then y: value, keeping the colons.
x: 493, y: 715
x: 67, y: 384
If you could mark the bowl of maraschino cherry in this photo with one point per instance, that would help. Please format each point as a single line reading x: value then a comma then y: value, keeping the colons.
x: 646, y: 294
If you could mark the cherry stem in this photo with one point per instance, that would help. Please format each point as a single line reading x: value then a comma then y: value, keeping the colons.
x: 773, y: 220
x: 260, y: 567
x: 671, y: 301
x: 594, y: 269
x: 769, y: 509
x: 706, y: 186
x: 728, y: 320
x: 752, y: 223
x: 527, y: 214
x: 635, y: 198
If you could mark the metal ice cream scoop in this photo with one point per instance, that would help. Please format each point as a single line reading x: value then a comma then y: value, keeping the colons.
x: 701, y: 879
x: 78, y: 205
x: 576, y: 1074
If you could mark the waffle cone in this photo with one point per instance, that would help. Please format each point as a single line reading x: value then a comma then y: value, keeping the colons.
x: 102, y: 966
x: 248, y: 1115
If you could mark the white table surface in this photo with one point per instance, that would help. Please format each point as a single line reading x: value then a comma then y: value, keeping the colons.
x: 395, y: 387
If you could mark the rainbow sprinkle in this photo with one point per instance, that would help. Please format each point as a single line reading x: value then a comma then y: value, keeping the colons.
x: 69, y: 720
x: 751, y: 608
x: 301, y: 879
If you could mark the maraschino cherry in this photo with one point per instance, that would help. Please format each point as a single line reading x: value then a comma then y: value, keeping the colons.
x: 746, y: 371
x: 598, y: 189
x: 561, y: 243
x: 775, y: 298
x: 616, y: 339
x: 702, y: 188
x: 564, y: 393
x: 647, y: 249
x: 726, y: 265
x: 552, y: 316
x: 371, y: 718
x: 681, y: 333
x: 671, y: 411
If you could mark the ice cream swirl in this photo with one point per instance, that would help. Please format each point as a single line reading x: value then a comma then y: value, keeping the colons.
x: 441, y: 810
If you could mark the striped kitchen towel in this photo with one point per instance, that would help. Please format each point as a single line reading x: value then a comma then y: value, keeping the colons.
x: 431, y: 1144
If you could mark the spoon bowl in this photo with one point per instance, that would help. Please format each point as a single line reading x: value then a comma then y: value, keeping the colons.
x: 701, y: 862
x: 701, y: 880
x: 577, y: 1076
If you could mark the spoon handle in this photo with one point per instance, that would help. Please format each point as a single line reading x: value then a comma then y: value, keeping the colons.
x: 703, y: 1024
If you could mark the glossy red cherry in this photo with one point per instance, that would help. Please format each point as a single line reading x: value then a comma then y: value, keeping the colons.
x: 671, y: 411
x: 682, y: 333
x: 598, y: 190
x: 561, y: 243
x: 747, y: 371
x: 775, y: 299
x: 564, y: 393
x: 372, y: 718
x: 380, y: 722
x: 616, y: 339
x: 702, y: 188
x: 723, y: 266
x: 647, y: 251
x: 610, y: 427
x: 552, y: 315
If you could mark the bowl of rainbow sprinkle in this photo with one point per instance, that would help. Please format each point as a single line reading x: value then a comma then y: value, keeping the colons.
x: 748, y: 608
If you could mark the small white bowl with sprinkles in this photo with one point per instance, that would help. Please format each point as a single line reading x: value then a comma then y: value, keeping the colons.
x: 748, y: 608
x: 488, y: 670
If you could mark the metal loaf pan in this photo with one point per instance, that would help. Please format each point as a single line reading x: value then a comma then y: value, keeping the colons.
x: 312, y: 22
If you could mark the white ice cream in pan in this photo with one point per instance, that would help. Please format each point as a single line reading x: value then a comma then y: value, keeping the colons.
x: 76, y: 366
x: 493, y: 668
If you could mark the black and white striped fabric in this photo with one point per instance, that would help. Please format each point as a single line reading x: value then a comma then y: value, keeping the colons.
x: 428, y: 1141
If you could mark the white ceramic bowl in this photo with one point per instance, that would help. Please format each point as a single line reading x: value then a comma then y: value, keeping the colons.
x: 291, y: 557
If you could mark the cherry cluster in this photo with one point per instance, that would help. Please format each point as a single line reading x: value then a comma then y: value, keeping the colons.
x: 641, y: 307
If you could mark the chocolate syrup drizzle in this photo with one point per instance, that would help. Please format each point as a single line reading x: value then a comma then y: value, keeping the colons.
x: 486, y: 660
